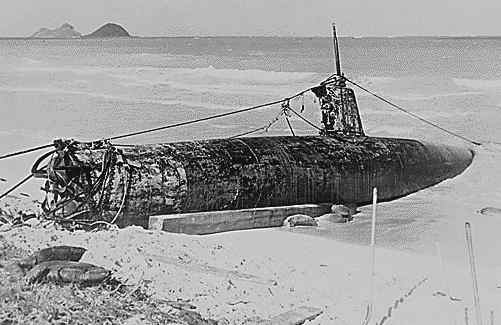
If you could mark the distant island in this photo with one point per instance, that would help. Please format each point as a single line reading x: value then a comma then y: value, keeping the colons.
x: 66, y: 31
x: 109, y: 30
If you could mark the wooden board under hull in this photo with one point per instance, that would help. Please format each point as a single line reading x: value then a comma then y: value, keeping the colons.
x: 227, y: 174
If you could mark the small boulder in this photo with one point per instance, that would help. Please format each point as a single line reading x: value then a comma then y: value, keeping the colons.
x: 344, y: 210
x: 67, y: 272
x: 57, y: 253
x: 335, y: 218
x: 300, y: 220
x: 59, y: 264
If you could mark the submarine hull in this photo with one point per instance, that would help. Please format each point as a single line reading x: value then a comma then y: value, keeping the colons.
x: 226, y: 174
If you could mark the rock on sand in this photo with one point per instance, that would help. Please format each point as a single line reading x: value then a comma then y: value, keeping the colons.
x: 300, y: 220
x: 344, y: 210
x: 334, y: 218
x: 340, y: 214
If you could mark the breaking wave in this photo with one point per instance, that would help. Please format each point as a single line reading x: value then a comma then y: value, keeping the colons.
x: 252, y: 76
x: 211, y: 75
x: 376, y: 80
x: 122, y: 99
x: 233, y: 81
x: 413, y: 97
x: 478, y: 84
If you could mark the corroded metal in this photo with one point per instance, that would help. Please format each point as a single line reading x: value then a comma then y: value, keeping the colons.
x: 224, y: 174
x: 340, y: 114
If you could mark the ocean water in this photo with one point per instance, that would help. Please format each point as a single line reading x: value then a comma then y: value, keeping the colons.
x: 92, y: 89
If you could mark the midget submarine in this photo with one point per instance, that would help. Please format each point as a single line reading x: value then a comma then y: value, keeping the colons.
x: 341, y: 165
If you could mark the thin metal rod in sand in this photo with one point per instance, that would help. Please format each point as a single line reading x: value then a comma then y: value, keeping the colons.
x: 473, y: 271
x: 370, y: 306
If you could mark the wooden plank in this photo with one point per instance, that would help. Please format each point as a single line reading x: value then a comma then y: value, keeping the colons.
x: 200, y: 223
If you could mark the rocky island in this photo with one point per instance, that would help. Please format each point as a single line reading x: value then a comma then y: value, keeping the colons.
x: 65, y: 31
x: 109, y: 30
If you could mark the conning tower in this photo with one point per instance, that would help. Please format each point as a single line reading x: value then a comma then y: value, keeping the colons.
x: 340, y: 114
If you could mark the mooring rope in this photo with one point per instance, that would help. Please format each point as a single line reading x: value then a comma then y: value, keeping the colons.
x: 264, y: 128
x: 414, y: 114
x: 286, y: 105
x: 304, y: 119
x: 165, y: 127
x: 13, y: 188
x: 284, y: 112
x: 17, y: 153
x: 243, y: 110
x: 290, y: 126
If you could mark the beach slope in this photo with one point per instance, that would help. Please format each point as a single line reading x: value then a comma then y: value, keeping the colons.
x: 249, y: 277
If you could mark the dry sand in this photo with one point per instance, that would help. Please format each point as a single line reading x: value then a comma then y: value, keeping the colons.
x: 257, y: 274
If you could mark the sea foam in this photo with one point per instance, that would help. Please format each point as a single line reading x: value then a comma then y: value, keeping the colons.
x: 118, y: 98
x: 151, y: 75
x: 478, y: 84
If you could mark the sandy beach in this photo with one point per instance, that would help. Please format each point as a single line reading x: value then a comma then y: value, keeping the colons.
x: 249, y: 276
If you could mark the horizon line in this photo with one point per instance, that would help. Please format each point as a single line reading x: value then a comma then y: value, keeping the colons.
x: 271, y: 36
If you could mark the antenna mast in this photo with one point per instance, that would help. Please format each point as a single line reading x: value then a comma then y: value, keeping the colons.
x: 336, y: 49
x: 340, y: 115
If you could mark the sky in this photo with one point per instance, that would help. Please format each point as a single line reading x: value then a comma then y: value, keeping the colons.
x: 257, y: 17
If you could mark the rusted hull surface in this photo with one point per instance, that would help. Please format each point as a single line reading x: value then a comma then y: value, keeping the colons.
x: 225, y: 174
